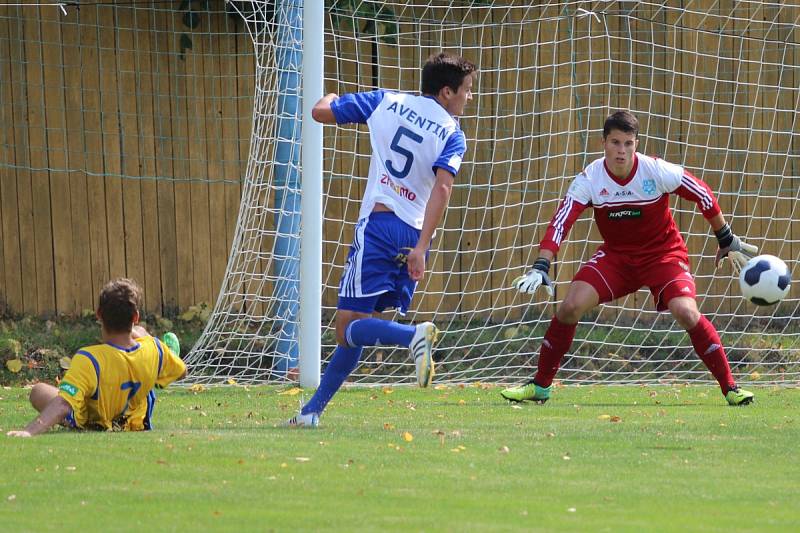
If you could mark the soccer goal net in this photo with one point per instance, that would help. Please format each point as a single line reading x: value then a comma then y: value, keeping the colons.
x: 714, y: 86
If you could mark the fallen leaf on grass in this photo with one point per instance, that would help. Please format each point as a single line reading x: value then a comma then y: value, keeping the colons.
x: 294, y: 391
x: 14, y: 365
x: 231, y: 381
x: 387, y: 390
x: 387, y: 426
x: 754, y: 375
x: 302, y: 459
x: 604, y: 417
x: 440, y: 387
x: 461, y: 402
x: 503, y: 449
x: 12, y: 498
x: 197, y: 388
x: 615, y: 419
x: 65, y: 362
x: 408, y: 437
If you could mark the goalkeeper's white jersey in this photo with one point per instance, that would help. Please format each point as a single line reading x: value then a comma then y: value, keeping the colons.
x: 411, y: 137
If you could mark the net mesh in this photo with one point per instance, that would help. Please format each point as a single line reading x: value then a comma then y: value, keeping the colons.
x: 714, y: 86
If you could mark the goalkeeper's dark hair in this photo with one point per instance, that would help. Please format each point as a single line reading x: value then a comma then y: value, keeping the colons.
x: 120, y: 299
x: 445, y: 70
x: 623, y: 121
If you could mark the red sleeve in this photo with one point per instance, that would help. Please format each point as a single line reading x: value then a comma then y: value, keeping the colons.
x: 697, y: 191
x: 566, y: 215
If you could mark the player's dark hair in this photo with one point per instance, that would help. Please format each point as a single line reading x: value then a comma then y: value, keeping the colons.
x: 445, y: 70
x: 119, y: 301
x: 623, y: 121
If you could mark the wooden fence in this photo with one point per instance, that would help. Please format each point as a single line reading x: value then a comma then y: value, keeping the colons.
x: 120, y: 155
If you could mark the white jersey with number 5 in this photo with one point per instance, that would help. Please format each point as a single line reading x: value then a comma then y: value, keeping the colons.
x: 411, y: 137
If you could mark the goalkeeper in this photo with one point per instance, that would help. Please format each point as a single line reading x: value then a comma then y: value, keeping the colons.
x: 109, y: 386
x: 417, y: 148
x: 629, y: 194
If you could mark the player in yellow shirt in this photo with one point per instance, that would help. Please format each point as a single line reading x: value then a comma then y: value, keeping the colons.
x: 110, y: 386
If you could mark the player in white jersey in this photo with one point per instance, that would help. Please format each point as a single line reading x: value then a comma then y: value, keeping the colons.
x: 629, y: 193
x: 417, y: 149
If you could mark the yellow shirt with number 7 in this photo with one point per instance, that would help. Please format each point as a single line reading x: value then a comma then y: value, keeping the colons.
x: 111, y: 387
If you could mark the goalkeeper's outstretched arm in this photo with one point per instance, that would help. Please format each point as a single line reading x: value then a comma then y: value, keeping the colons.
x: 567, y: 213
x: 730, y: 246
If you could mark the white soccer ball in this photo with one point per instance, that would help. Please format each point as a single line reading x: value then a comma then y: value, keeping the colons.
x: 765, y: 280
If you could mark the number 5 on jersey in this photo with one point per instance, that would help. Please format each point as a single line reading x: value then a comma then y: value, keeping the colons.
x: 402, y: 132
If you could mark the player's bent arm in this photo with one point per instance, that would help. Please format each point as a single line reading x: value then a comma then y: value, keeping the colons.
x: 731, y: 246
x: 56, y: 410
x: 437, y: 204
x: 322, y: 111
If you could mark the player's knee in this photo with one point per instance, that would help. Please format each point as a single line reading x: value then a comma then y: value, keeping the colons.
x: 687, y: 317
x: 569, y: 312
x: 341, y: 334
x: 341, y: 339
x: 40, y: 394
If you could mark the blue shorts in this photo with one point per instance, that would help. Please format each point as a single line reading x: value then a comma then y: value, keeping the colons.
x: 376, y: 276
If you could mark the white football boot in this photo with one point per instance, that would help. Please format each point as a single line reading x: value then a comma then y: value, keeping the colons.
x: 422, y: 351
x: 311, y: 420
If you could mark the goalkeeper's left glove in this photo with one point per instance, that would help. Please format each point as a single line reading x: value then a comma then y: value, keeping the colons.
x: 732, y: 247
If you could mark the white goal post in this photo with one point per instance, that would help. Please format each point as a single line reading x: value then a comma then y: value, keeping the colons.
x: 714, y: 86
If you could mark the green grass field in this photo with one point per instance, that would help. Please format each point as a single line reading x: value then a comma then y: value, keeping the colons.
x: 446, y: 459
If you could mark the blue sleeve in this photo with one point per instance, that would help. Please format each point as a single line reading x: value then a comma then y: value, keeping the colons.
x: 453, y: 153
x: 356, y: 107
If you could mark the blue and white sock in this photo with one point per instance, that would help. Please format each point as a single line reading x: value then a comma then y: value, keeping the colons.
x: 377, y: 332
x: 341, y: 365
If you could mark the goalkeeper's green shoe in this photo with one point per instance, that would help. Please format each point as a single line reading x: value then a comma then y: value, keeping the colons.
x: 172, y: 342
x: 737, y: 396
x: 530, y: 391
